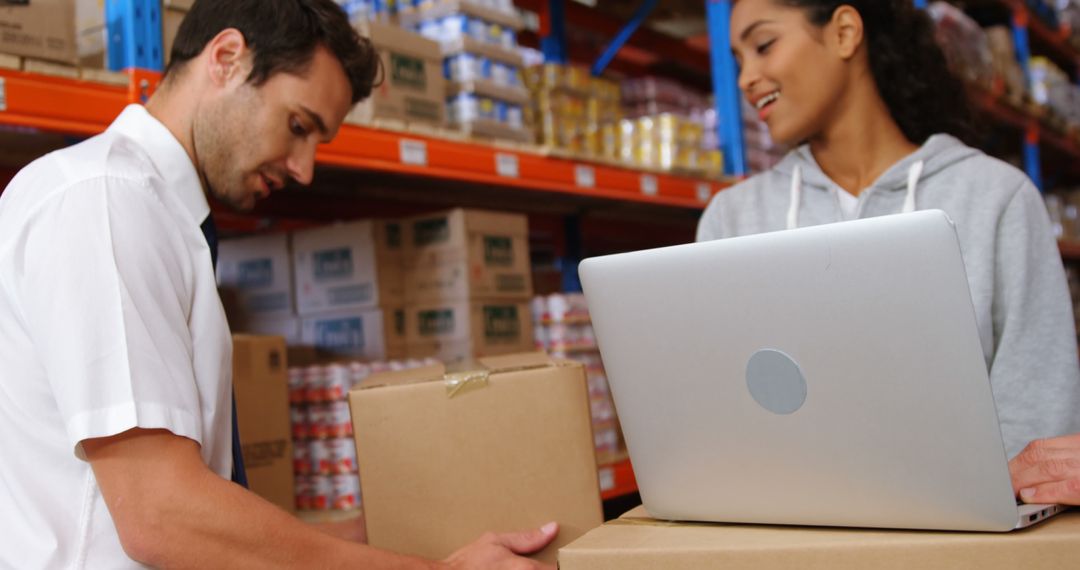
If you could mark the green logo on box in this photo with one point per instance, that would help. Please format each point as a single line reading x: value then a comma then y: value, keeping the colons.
x: 436, y: 322
x: 393, y: 235
x: 255, y: 273
x: 498, y: 251
x: 501, y: 323
x: 427, y: 232
x: 407, y: 71
x: 333, y: 263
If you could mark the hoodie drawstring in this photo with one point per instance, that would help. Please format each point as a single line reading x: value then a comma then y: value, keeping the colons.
x: 914, y: 173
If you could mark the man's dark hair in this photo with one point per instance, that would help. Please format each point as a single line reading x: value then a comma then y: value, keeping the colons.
x: 282, y: 35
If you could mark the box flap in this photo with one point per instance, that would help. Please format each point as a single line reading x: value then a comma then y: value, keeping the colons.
x: 519, y: 361
x: 403, y: 377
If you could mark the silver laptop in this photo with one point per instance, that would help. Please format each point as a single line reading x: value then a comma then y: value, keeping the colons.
x: 829, y: 375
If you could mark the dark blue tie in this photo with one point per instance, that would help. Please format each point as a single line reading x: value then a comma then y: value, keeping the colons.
x: 239, y: 476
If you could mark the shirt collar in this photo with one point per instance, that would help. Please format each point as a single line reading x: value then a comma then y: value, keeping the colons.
x: 168, y: 156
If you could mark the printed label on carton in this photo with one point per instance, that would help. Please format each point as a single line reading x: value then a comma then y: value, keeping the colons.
x: 498, y: 251
x: 501, y: 323
x: 351, y: 294
x: 255, y: 273
x: 332, y: 263
x: 393, y: 235
x: 407, y: 71
x: 340, y: 334
x: 431, y: 231
x: 511, y: 283
x: 435, y: 322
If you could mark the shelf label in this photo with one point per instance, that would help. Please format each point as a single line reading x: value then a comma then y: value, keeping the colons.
x: 607, y: 478
x: 704, y: 192
x: 584, y: 176
x: 413, y: 152
x: 507, y: 165
x: 3, y: 95
x: 649, y: 185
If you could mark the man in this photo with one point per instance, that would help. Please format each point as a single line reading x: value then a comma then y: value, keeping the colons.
x: 115, y: 358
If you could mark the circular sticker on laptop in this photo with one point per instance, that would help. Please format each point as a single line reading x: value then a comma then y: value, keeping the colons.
x: 775, y: 381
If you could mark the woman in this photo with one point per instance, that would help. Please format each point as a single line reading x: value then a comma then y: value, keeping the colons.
x: 865, y: 92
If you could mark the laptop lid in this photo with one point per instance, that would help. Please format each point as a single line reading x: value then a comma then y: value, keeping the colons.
x: 829, y: 375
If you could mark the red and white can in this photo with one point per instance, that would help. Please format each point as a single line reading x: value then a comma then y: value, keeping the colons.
x: 298, y: 417
x: 342, y: 455
x: 338, y: 419
x: 337, y: 382
x: 346, y: 491
x: 302, y: 458
x: 322, y: 492
x: 297, y: 393
x: 305, y: 491
x: 319, y: 456
x: 318, y: 417
x: 314, y: 384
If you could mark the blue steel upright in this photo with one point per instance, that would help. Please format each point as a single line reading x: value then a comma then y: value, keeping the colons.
x: 624, y: 34
x: 1030, y: 142
x: 725, y: 76
x: 134, y: 28
x: 553, y: 45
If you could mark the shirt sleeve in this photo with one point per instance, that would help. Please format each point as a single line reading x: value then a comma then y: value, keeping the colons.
x: 1035, y: 365
x: 107, y: 288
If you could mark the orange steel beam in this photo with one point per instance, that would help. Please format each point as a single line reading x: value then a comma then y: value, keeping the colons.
x: 58, y: 104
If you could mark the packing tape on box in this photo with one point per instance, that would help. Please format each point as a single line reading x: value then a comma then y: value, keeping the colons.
x: 462, y: 382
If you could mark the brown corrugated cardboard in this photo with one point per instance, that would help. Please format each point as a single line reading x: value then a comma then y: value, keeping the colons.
x: 467, y: 254
x: 44, y: 29
x: 90, y: 32
x: 507, y: 450
x: 413, y: 88
x: 347, y: 266
x: 458, y: 330
x: 178, y: 4
x: 636, y: 541
x: 260, y: 382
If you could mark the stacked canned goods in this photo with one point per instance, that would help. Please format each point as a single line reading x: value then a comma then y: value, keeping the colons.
x: 574, y: 111
x: 324, y: 457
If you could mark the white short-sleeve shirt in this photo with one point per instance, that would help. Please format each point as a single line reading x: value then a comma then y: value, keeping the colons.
x: 109, y: 320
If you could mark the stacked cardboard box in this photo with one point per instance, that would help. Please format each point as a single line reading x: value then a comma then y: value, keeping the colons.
x: 468, y: 284
x: 413, y: 87
x: 349, y: 288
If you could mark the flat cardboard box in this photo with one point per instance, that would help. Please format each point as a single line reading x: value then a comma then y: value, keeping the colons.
x: 260, y: 383
x: 171, y: 17
x: 43, y: 29
x: 467, y: 254
x: 413, y: 87
x: 457, y: 330
x: 636, y: 541
x: 507, y: 447
x: 370, y: 334
x: 348, y: 266
x: 257, y: 272
x: 287, y: 327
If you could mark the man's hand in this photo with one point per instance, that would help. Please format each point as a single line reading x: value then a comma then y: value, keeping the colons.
x: 1048, y: 471
x: 500, y: 551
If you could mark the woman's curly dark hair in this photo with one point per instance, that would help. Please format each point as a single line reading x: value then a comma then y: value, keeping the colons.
x: 908, y: 66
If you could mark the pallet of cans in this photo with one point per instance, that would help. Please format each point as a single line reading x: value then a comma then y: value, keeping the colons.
x: 324, y: 451
x: 574, y: 112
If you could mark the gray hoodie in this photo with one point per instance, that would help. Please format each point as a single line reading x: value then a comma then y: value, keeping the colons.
x: 1014, y: 269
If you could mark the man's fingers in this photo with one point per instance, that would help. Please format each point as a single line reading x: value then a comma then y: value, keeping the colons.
x: 1039, y: 464
x: 529, y: 541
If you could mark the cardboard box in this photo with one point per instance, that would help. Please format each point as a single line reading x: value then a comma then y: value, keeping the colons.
x: 353, y: 265
x: 90, y: 33
x: 413, y: 89
x: 260, y: 383
x: 178, y: 4
x: 256, y: 272
x: 371, y: 334
x: 287, y: 327
x: 43, y: 29
x: 467, y: 254
x: 444, y: 459
x: 459, y: 330
x: 636, y: 541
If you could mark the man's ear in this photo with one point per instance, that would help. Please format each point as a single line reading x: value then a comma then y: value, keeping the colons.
x: 226, y: 57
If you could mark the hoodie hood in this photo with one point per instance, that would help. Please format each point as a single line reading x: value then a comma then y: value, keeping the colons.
x: 937, y: 154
